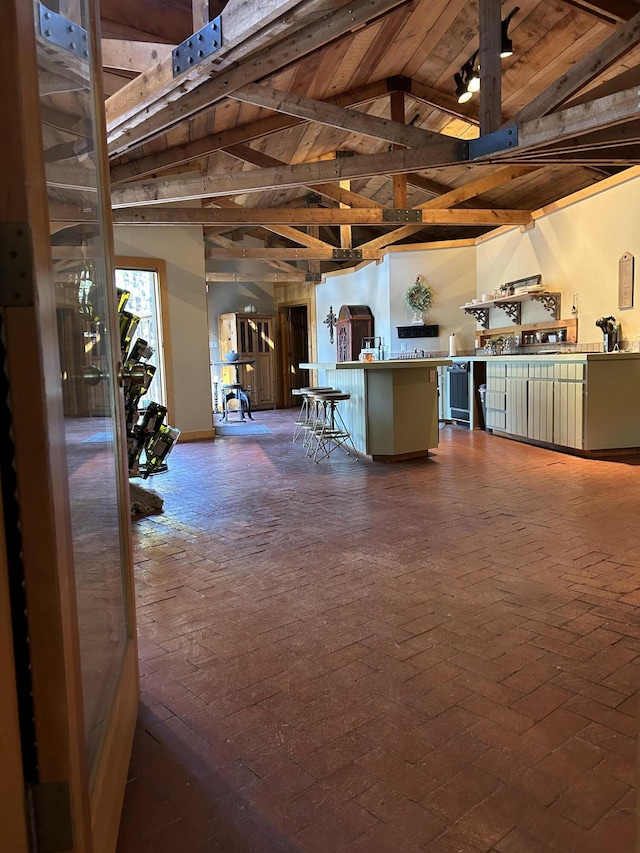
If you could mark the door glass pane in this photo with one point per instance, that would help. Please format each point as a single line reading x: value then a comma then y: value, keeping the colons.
x: 144, y: 302
x: 83, y: 291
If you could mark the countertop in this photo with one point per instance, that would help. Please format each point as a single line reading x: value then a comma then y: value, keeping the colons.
x: 576, y: 357
x: 387, y: 364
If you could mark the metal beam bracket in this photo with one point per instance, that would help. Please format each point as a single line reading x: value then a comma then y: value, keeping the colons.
x: 492, y: 143
x: 313, y: 276
x: 401, y: 214
x: 62, y: 32
x: 347, y: 254
x: 197, y: 47
x: 16, y: 266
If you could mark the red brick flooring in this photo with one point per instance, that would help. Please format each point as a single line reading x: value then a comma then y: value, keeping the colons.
x: 439, y: 655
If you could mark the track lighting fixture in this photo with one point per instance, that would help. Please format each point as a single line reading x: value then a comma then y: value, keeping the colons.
x: 506, y: 48
x: 467, y: 80
x: 462, y: 93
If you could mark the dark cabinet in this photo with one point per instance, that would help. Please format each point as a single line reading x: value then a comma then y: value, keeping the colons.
x: 355, y: 322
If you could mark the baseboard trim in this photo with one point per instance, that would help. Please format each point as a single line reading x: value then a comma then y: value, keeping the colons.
x: 198, y: 435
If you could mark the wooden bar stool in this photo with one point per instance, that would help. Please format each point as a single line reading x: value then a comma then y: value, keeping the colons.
x: 330, y: 431
x: 305, y: 414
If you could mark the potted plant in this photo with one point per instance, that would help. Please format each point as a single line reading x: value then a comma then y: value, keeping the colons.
x: 418, y: 298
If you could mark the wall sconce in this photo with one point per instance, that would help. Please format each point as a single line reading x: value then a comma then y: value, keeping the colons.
x: 330, y: 321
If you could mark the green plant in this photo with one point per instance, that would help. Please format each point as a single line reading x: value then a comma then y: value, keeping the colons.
x: 419, y: 296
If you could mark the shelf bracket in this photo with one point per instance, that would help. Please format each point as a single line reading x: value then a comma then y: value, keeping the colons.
x: 481, y: 314
x: 550, y: 302
x: 513, y: 310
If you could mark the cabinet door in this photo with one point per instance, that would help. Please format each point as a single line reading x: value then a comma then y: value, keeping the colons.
x: 517, y: 406
x: 540, y: 413
x: 496, y: 399
x: 568, y: 405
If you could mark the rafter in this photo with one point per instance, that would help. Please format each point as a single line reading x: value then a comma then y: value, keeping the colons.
x: 612, y: 11
x: 288, y: 254
x: 619, y: 43
x: 136, y: 56
x: 282, y: 267
x: 352, y: 121
x: 243, y: 133
x: 160, y: 113
x: 271, y: 278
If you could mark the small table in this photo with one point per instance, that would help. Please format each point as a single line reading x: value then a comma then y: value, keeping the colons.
x: 235, y: 390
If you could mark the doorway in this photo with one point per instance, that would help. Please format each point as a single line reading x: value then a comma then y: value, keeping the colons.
x: 293, y: 322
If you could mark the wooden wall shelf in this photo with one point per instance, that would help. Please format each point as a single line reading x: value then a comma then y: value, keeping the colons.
x: 512, y: 306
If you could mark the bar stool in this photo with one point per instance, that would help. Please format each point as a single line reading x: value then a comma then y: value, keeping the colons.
x: 330, y: 431
x: 305, y: 414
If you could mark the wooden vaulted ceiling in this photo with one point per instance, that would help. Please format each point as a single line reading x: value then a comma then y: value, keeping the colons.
x: 319, y: 123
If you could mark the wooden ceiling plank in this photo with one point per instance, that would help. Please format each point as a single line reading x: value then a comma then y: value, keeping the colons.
x: 300, y: 174
x: 619, y: 43
x: 131, y: 127
x: 340, y: 117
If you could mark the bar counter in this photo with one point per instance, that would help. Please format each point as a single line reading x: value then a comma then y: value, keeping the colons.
x: 393, y: 410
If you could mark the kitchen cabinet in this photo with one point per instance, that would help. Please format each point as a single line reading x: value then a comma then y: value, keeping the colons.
x: 587, y: 402
x: 251, y: 335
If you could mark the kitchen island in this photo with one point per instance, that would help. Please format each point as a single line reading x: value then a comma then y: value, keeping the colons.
x: 393, y: 410
x: 583, y: 402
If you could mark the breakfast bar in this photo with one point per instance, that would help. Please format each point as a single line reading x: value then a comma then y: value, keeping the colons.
x: 393, y: 410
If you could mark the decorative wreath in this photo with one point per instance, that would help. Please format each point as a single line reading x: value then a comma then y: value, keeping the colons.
x: 419, y: 296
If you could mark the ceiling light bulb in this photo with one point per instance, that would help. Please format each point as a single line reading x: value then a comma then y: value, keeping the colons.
x: 473, y: 84
x: 462, y: 93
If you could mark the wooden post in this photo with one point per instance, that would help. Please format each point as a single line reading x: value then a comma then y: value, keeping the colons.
x: 399, y: 181
x: 200, y: 12
x: 490, y: 70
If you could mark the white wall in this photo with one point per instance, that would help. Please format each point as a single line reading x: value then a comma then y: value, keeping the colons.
x: 576, y: 250
x: 183, y: 251
x: 451, y: 273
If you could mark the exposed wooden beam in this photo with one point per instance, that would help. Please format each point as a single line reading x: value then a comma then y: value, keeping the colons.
x: 243, y: 133
x: 322, y: 112
x: 625, y: 80
x: 130, y: 125
x: 288, y: 254
x: 233, y: 213
x: 585, y: 118
x: 490, y: 70
x: 133, y: 56
x: 199, y: 14
x: 225, y: 243
x: 612, y: 11
x: 300, y: 174
x: 445, y: 102
x: 619, y: 43
x: 310, y: 216
x: 242, y: 278
x: 333, y: 191
x: 455, y: 196
x: 399, y: 181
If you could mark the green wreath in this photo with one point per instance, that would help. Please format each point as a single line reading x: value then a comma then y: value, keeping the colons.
x: 419, y: 296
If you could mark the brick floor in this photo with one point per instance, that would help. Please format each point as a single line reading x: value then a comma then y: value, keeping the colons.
x: 440, y: 655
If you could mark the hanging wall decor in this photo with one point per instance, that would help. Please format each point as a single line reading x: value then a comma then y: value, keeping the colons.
x: 330, y: 321
x: 625, y: 281
x: 418, y: 298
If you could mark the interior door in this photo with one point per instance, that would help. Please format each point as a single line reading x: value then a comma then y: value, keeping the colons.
x: 62, y: 467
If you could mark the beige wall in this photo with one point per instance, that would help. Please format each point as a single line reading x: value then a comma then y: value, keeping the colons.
x: 183, y: 251
x: 576, y: 249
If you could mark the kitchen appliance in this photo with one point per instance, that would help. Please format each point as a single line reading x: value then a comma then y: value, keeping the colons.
x: 611, y: 333
x: 458, y: 375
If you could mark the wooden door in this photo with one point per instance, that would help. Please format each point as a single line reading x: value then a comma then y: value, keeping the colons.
x: 65, y: 557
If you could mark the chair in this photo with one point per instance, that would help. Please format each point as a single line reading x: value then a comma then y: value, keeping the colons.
x: 235, y: 391
x: 330, y: 431
x: 305, y: 415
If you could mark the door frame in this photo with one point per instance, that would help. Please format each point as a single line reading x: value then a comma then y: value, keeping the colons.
x: 283, y: 383
x: 32, y: 360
